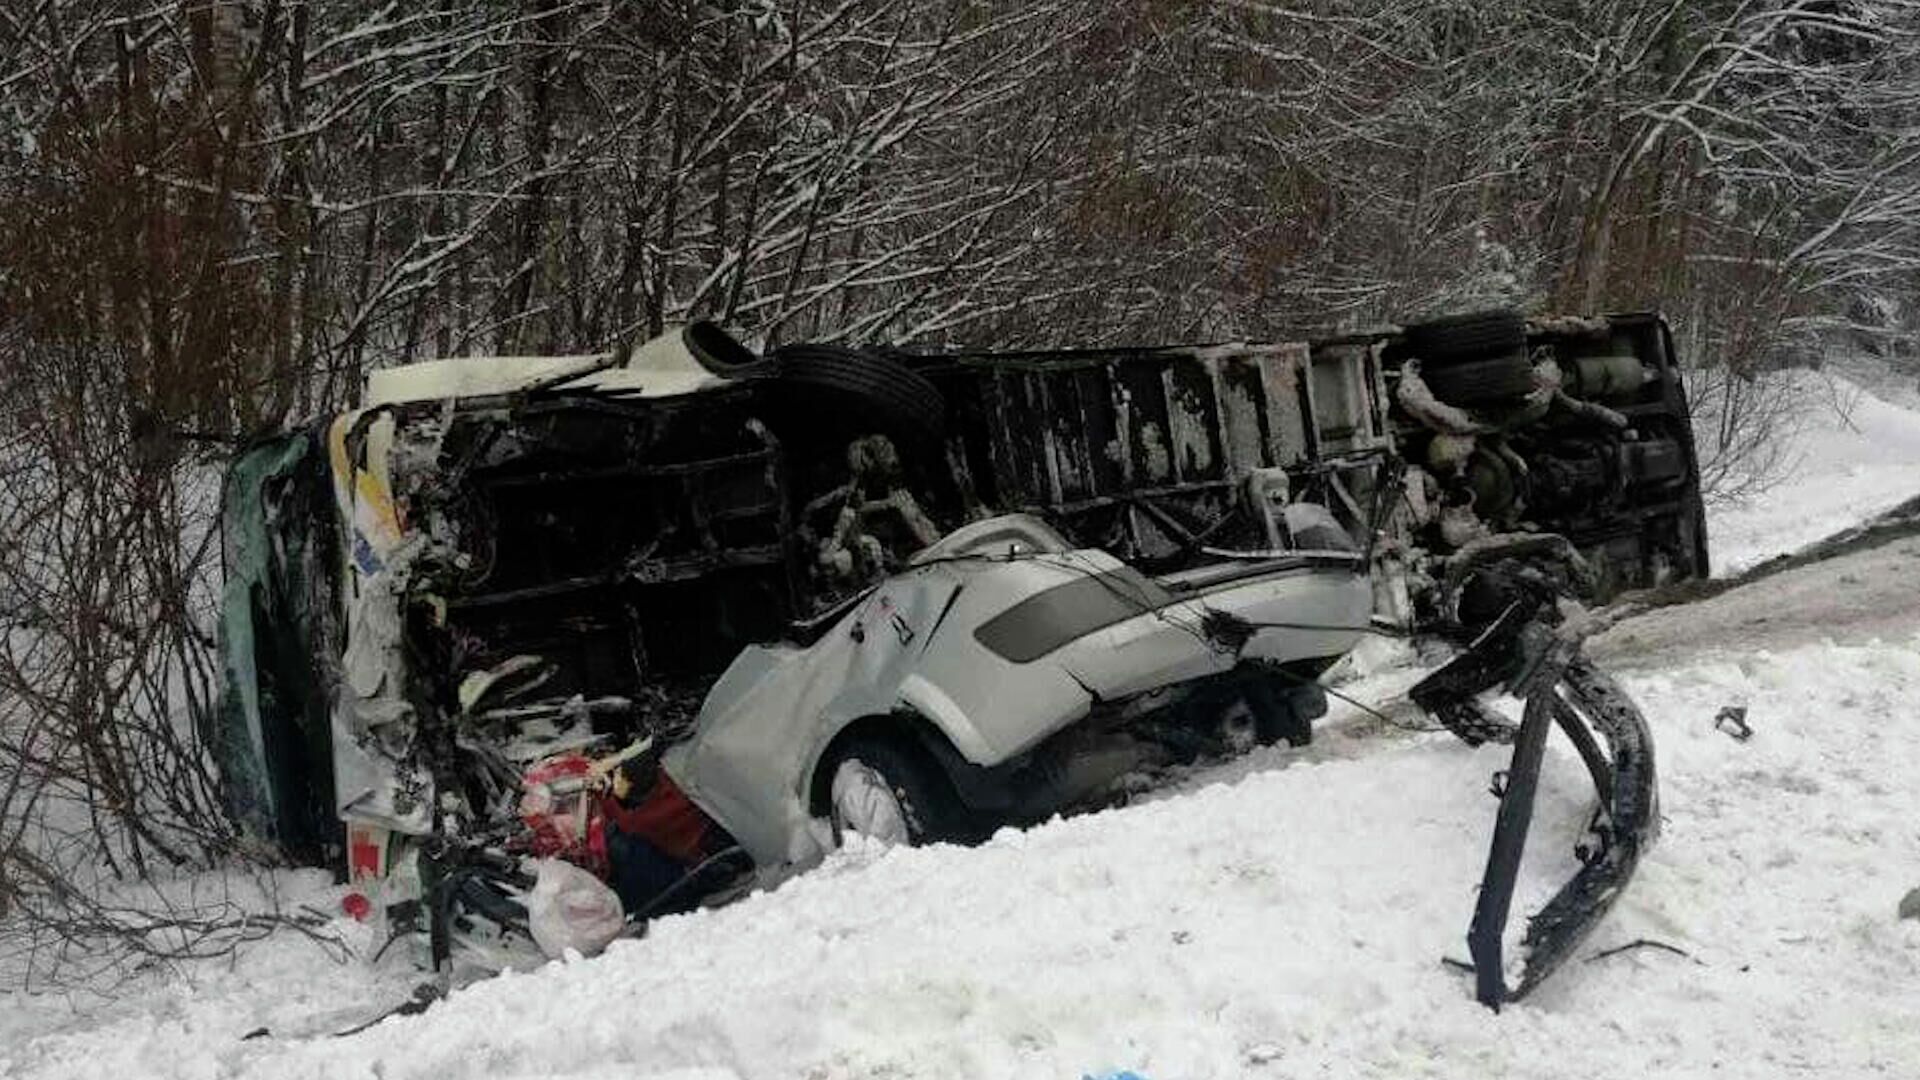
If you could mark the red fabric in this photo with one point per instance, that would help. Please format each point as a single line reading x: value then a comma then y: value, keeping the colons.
x: 666, y: 818
x: 561, y: 815
x: 363, y: 854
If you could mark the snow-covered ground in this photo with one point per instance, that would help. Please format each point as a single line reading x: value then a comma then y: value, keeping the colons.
x: 1285, y: 915
x: 1851, y: 454
x: 1288, y: 922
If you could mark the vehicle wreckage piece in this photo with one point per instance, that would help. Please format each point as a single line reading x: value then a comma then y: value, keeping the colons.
x: 1533, y: 648
x: 994, y: 640
x: 819, y: 575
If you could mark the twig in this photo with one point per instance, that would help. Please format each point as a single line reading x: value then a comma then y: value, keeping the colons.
x: 1642, y: 943
x: 1733, y: 721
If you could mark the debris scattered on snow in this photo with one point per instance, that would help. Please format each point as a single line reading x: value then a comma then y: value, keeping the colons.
x: 1641, y: 943
x: 1733, y: 721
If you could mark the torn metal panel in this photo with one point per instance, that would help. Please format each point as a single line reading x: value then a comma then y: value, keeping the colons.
x: 1193, y: 425
x: 1533, y: 648
x: 476, y: 376
x: 376, y: 775
x: 1568, y: 691
x: 1347, y: 412
x: 1156, y: 439
x: 269, y: 732
x: 692, y: 360
x: 1237, y: 388
x: 1285, y: 406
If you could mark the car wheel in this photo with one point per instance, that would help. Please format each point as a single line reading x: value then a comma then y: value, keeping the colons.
x: 1474, y: 359
x: 1469, y: 337
x: 1479, y: 382
x: 891, y: 795
x: 838, y: 392
x: 1284, y: 713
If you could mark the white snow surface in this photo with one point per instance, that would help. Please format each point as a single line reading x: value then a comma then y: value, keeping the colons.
x: 1285, y: 916
x: 1852, y: 455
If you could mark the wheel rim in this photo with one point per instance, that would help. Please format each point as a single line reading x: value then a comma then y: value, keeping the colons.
x: 864, y: 803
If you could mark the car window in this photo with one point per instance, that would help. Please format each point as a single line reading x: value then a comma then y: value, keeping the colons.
x: 1047, y: 620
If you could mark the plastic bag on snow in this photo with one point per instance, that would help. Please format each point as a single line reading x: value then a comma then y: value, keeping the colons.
x: 569, y: 908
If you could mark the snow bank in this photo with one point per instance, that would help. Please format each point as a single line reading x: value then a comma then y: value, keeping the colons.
x: 1290, y: 922
x: 1853, y: 456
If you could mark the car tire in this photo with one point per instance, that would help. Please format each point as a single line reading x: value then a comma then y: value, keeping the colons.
x: 841, y: 393
x: 1481, y: 382
x: 1469, y: 337
x: 1278, y: 714
x: 1474, y: 359
x: 891, y: 794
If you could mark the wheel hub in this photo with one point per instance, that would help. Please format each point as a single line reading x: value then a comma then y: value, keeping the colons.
x: 864, y: 803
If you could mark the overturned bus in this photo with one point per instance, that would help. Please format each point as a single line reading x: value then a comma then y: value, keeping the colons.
x: 920, y: 595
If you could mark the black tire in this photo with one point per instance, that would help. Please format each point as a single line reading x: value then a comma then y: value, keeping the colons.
x: 1474, y: 359
x: 933, y: 813
x: 1469, y: 337
x: 1481, y: 382
x: 835, y: 393
x: 1282, y: 712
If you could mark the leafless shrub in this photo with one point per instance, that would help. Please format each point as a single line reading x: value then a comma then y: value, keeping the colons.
x: 105, y: 669
x: 67, y: 935
x: 1745, y: 427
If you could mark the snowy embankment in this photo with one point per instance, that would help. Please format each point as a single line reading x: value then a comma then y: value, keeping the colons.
x: 1850, y: 454
x: 1285, y: 915
x: 1288, y: 923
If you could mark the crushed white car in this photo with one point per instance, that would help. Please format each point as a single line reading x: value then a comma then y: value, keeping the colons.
x: 929, y: 704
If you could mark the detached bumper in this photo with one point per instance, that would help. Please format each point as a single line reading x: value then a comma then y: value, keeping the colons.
x: 1561, y: 688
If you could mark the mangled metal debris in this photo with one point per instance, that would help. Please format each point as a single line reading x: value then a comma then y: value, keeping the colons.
x: 1533, y: 651
x: 683, y: 615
